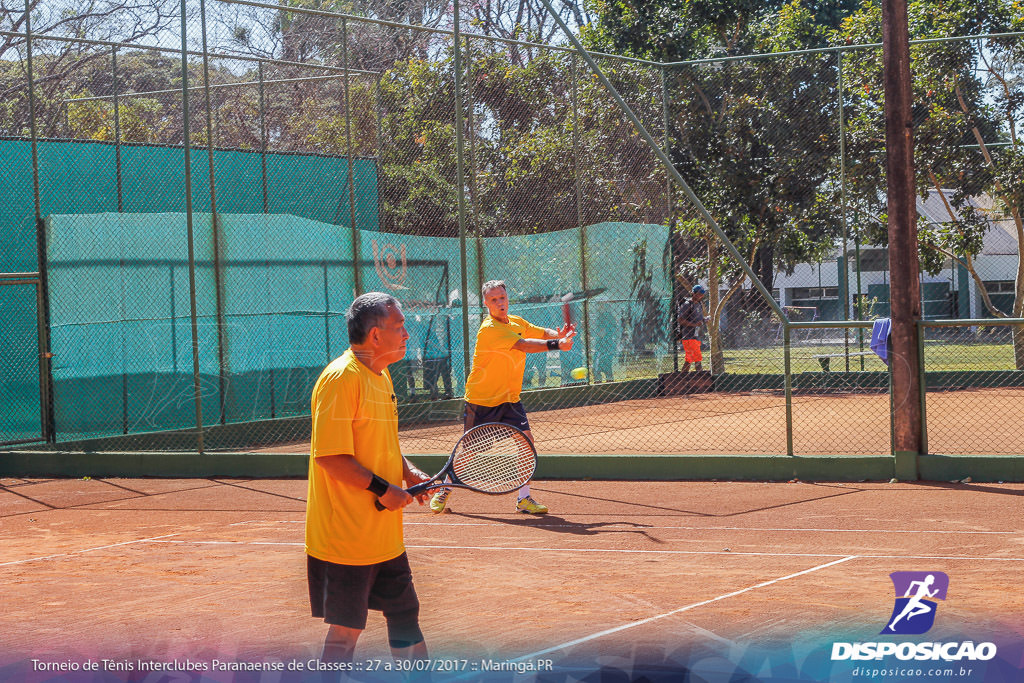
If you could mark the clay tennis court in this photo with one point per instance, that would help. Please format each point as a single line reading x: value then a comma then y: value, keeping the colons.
x: 642, y: 578
x: 973, y: 421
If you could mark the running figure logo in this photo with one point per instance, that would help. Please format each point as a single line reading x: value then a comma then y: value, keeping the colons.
x: 914, y: 612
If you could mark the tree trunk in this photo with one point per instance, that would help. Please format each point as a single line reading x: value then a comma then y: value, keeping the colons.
x: 1018, y: 299
x: 715, y: 306
x: 766, y: 268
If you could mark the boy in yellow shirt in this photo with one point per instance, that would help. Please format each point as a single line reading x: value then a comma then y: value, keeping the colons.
x: 356, y: 557
x: 496, y: 378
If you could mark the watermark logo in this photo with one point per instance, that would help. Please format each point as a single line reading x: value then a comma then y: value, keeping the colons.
x: 916, y: 593
x: 390, y: 264
x: 913, y: 614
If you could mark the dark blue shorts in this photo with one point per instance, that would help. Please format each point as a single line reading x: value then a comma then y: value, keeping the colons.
x: 341, y: 594
x: 506, y: 413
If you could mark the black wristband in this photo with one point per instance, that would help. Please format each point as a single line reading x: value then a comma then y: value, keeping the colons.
x: 552, y: 344
x: 378, y: 485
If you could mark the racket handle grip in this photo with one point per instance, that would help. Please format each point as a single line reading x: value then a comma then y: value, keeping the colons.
x: 417, y: 489
x: 377, y: 505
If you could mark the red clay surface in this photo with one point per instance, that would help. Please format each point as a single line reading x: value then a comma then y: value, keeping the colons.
x: 973, y: 422
x: 214, y: 569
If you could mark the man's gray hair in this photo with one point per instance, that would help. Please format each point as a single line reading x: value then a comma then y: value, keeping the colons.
x: 489, y: 285
x: 368, y: 311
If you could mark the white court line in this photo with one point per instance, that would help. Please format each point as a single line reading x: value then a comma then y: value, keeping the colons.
x: 631, y: 525
x: 627, y: 551
x: 643, y: 527
x: 617, y: 629
x: 716, y: 552
x: 288, y: 543
x: 153, y: 539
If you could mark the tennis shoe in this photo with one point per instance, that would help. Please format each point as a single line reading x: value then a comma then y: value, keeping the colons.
x: 531, y: 507
x: 439, y: 501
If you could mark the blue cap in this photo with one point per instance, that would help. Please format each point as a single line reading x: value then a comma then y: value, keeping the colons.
x: 697, y: 289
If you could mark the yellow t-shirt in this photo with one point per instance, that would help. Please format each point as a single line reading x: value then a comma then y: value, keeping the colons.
x: 354, y: 413
x: 497, y: 374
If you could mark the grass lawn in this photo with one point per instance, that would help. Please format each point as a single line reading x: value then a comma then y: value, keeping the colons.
x: 939, y: 357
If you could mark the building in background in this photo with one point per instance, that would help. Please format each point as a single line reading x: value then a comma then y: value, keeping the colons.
x: 814, y: 289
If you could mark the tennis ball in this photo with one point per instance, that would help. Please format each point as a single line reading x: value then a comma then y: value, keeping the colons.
x: 578, y: 373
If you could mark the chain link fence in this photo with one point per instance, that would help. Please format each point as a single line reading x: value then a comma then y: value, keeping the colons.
x: 973, y: 386
x: 204, y: 239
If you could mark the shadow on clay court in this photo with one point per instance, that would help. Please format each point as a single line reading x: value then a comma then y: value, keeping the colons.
x: 253, y: 489
x: 137, y: 495
x: 846, y: 491
x: 132, y: 495
x: 556, y: 524
x: 958, y: 486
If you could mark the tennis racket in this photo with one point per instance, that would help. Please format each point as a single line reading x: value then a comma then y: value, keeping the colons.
x: 566, y: 313
x: 493, y: 458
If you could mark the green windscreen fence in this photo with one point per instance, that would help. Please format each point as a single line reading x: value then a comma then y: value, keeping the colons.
x: 121, y: 327
x: 275, y: 268
x: 21, y: 418
x: 272, y: 282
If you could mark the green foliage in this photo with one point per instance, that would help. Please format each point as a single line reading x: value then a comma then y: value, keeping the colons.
x: 139, y: 119
x: 864, y: 307
x: 756, y: 139
x: 674, y: 30
x: 954, y: 103
x: 418, y: 163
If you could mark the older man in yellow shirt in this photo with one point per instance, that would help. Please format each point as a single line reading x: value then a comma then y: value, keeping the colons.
x: 496, y: 378
x: 356, y: 558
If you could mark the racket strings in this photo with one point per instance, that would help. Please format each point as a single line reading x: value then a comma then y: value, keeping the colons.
x: 495, y: 459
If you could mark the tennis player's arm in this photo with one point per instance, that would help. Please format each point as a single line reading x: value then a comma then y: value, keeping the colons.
x: 541, y: 345
x: 348, y: 470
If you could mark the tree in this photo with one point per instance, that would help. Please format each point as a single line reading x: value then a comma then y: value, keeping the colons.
x: 521, y: 142
x: 418, y: 164
x: 676, y: 30
x: 968, y: 102
x: 755, y: 139
x: 525, y: 19
x: 59, y: 63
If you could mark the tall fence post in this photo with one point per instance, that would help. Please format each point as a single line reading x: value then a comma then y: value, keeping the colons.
x: 215, y: 226
x: 266, y: 203
x: 672, y: 312
x: 788, y: 373
x: 860, y: 295
x: 461, y: 184
x: 579, y: 219
x: 187, y: 145
x: 46, y: 388
x: 120, y: 209
x: 844, y: 282
x: 357, y: 276
x: 117, y: 130
x: 923, y: 392
x: 904, y: 288
x: 474, y: 198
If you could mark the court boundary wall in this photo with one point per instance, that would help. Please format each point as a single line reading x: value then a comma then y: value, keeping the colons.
x: 621, y: 467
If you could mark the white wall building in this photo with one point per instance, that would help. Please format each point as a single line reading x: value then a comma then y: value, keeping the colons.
x: 952, y: 293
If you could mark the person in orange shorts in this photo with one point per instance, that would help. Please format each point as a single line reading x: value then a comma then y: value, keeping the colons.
x: 690, y: 319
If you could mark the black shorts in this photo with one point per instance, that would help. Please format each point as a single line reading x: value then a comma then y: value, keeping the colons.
x: 341, y: 594
x: 507, y: 413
